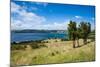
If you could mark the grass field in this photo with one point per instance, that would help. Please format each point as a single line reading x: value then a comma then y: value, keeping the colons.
x: 56, y: 51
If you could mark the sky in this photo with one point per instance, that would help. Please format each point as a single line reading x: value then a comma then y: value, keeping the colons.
x: 48, y: 16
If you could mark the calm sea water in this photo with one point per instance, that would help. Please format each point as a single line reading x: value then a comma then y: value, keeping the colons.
x: 18, y: 37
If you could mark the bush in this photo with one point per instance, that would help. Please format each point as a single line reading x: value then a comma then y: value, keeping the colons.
x: 38, y: 45
x: 52, y: 54
x: 34, y: 46
x: 23, y: 45
x: 64, y: 39
x: 18, y: 47
x: 55, y: 40
x: 42, y: 45
x: 46, y: 41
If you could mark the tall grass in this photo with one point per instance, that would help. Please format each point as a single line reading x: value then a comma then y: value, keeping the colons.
x: 56, y: 52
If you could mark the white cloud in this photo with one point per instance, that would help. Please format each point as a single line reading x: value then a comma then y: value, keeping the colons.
x: 78, y: 17
x: 24, y: 19
x: 14, y: 7
x: 30, y: 20
x: 54, y: 26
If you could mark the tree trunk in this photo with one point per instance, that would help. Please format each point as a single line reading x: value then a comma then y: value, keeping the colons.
x: 73, y: 43
x: 85, y: 41
x: 78, y: 42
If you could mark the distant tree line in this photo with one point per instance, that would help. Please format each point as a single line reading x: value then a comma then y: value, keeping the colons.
x: 76, y: 32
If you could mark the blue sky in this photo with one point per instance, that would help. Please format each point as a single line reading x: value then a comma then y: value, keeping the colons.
x: 51, y: 16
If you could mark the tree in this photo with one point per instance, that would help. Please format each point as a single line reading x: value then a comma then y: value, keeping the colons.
x: 78, y: 35
x: 85, y: 30
x: 89, y: 28
x: 82, y: 31
x: 72, y: 31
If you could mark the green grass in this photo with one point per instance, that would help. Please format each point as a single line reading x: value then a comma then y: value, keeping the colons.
x: 55, y: 52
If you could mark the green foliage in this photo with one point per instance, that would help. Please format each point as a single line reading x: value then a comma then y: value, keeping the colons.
x: 82, y: 31
x: 72, y: 31
x: 85, y: 30
x: 18, y: 47
x: 34, y: 46
x: 23, y: 45
x: 64, y: 39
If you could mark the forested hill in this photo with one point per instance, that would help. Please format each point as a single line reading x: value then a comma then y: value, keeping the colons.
x: 39, y: 31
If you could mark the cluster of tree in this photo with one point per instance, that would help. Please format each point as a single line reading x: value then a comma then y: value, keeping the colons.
x: 81, y: 31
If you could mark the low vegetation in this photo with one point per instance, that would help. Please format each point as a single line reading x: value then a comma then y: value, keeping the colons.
x: 24, y: 45
x: 54, y: 52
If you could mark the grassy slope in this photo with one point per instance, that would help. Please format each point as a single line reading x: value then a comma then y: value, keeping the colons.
x: 56, y: 52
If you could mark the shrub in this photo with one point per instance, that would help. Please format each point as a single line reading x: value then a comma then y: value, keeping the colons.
x: 17, y: 47
x: 52, y: 54
x: 42, y: 45
x: 34, y: 46
x: 64, y: 39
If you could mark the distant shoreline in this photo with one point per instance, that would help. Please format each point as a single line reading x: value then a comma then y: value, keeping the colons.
x: 38, y: 31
